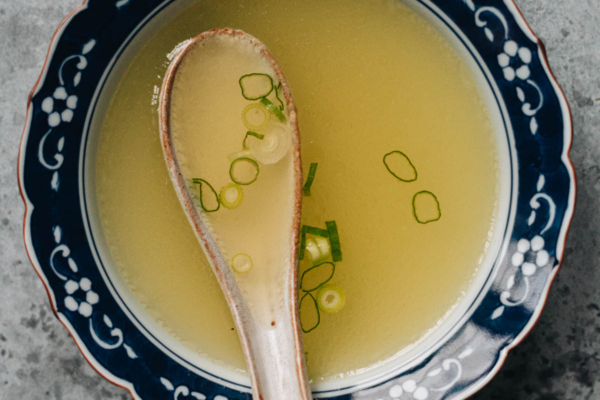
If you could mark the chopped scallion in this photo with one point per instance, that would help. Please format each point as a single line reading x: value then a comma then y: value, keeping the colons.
x: 231, y: 196
x: 313, y: 249
x: 277, y: 89
x: 428, y: 210
x: 317, y: 276
x: 246, y: 176
x: 200, y: 183
x: 273, y: 109
x: 318, y: 248
x: 255, y: 116
x: 241, y: 263
x: 310, y: 230
x: 310, y: 316
x: 401, y: 163
x: 254, y: 134
x: 311, y: 177
x: 334, y: 239
x: 275, y: 145
x: 331, y: 299
x: 256, y: 86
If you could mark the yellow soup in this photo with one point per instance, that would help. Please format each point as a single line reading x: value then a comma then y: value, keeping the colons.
x: 382, y: 99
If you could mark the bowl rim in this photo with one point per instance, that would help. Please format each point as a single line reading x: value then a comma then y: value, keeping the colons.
x: 466, y: 392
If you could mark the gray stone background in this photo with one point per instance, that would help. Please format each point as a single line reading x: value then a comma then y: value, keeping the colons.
x: 560, y: 359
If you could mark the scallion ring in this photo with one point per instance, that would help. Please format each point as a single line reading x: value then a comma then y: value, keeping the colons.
x: 241, y: 263
x: 429, y: 206
x: 305, y: 282
x: 397, y: 168
x: 307, y: 306
x: 256, y: 86
x: 276, y: 143
x: 256, y: 116
x: 318, y: 248
x: 231, y: 196
x: 201, y: 182
x: 243, y: 177
x: 311, y: 230
x: 331, y: 299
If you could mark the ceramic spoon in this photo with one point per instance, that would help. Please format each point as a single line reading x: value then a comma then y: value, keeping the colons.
x: 274, y: 354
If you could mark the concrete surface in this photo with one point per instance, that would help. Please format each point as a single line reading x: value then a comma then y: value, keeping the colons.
x: 560, y: 359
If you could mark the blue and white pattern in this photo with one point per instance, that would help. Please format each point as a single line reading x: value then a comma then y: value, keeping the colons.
x: 50, y: 181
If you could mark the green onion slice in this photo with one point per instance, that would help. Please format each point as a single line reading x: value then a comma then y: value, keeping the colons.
x: 256, y: 86
x: 202, y: 182
x: 255, y: 116
x: 254, y: 134
x: 331, y: 299
x: 426, y: 207
x: 241, y: 263
x: 310, y: 316
x: 318, y: 248
x: 398, y: 164
x: 334, y: 239
x: 275, y: 145
x: 231, y: 196
x: 277, y: 89
x: 244, y: 171
x: 317, y: 276
x: 311, y: 230
x: 311, y: 177
x: 273, y: 109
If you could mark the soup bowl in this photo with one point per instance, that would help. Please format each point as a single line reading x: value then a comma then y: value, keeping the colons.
x: 533, y: 131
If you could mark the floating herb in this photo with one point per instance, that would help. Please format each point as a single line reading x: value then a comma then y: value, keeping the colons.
x: 318, y: 248
x: 235, y: 174
x: 396, y: 170
x: 311, y: 230
x: 311, y: 278
x: 273, y: 109
x: 429, y: 207
x: 255, y: 116
x: 256, y: 86
x: 306, y: 306
x: 200, y: 182
x: 334, y: 239
x: 311, y: 177
x: 331, y: 299
x: 253, y: 134
x: 231, y: 196
x: 277, y: 89
x: 241, y: 263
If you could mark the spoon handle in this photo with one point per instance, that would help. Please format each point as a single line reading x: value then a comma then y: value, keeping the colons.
x: 275, y: 357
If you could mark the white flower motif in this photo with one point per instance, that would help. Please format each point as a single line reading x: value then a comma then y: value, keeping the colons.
x: 84, y: 307
x: 514, y: 54
x: 530, y: 255
x: 55, y: 117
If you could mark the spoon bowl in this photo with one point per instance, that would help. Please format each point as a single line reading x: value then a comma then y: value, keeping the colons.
x: 272, y: 346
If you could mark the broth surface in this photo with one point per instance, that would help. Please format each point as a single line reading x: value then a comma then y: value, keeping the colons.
x: 368, y: 77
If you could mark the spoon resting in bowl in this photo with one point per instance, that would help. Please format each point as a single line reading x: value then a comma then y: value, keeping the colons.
x: 228, y: 120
